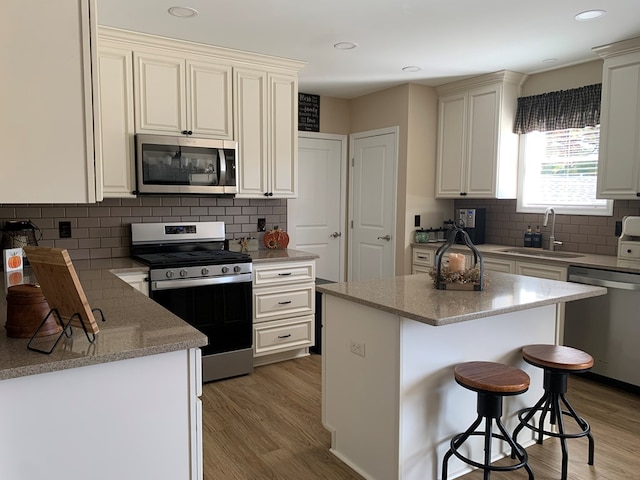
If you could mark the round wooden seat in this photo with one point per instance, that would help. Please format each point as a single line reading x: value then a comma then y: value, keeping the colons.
x: 491, y: 377
x: 557, y: 357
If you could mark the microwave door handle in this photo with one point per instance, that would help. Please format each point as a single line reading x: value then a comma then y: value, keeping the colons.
x: 222, y: 167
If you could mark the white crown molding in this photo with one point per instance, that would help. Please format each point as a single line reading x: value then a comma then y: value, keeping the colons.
x: 166, y: 45
x: 630, y: 45
x: 503, y: 76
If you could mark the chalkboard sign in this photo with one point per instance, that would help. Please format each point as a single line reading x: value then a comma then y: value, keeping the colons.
x: 308, y: 112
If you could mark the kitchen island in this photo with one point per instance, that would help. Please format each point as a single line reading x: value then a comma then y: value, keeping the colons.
x: 125, y: 406
x: 389, y: 398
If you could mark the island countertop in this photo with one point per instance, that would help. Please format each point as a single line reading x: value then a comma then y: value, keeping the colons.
x: 415, y: 297
x: 135, y: 326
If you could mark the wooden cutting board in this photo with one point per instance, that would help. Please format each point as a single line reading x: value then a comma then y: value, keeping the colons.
x: 60, y: 285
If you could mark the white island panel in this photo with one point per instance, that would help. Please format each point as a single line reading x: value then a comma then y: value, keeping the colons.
x: 393, y: 411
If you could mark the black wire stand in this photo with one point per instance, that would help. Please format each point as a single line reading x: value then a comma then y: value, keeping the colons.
x: 440, y: 282
x: 67, y: 329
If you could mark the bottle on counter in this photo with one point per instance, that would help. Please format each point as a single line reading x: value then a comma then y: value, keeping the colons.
x: 528, y: 237
x: 536, y: 239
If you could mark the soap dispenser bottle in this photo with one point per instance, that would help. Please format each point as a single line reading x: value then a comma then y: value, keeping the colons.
x: 536, y: 239
x: 528, y: 237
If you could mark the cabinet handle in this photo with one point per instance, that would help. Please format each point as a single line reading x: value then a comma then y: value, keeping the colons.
x: 284, y: 274
x: 287, y: 302
x: 284, y: 336
x: 637, y: 194
x: 421, y: 257
x: 186, y: 132
x: 463, y: 194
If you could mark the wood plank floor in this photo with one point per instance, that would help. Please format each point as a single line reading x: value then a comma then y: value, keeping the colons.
x: 267, y: 425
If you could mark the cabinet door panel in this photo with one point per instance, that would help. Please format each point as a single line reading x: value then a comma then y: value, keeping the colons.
x: 116, y: 129
x: 251, y: 131
x: 283, y: 100
x: 619, y: 162
x: 160, y: 94
x: 209, y: 105
x: 483, y: 142
x: 451, y: 146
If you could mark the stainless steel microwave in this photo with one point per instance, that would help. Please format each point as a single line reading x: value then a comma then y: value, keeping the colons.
x: 185, y: 165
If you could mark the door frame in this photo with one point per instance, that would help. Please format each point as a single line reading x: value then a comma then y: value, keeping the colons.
x: 292, y: 214
x: 352, y: 138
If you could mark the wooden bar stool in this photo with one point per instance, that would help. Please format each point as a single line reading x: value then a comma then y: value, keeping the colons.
x: 558, y: 362
x: 491, y: 381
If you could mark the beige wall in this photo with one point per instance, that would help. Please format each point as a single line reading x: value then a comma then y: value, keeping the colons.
x: 563, y: 78
x: 412, y: 108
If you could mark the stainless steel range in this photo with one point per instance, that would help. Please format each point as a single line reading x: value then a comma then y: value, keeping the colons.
x: 210, y: 288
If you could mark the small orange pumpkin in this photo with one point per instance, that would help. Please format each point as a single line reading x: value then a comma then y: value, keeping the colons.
x: 14, y: 261
x: 276, y: 238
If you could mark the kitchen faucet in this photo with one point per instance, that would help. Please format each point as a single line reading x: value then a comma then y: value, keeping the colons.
x: 552, y: 237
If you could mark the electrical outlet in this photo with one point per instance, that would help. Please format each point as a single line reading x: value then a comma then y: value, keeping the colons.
x: 64, y: 229
x: 262, y: 224
x: 357, y: 348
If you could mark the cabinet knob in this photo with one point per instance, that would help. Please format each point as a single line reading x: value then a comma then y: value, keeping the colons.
x: 637, y: 194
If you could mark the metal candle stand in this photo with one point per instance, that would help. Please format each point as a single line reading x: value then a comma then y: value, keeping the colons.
x: 458, y: 229
x: 58, y: 318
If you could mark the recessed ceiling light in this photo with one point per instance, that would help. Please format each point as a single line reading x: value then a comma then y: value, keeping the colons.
x: 345, y: 45
x: 411, y: 68
x: 183, y: 12
x: 589, y: 15
x: 550, y: 60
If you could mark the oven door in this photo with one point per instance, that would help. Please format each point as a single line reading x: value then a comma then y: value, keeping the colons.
x: 222, y: 311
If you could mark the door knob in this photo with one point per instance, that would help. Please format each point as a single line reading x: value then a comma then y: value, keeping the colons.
x: 386, y: 237
x: 336, y: 234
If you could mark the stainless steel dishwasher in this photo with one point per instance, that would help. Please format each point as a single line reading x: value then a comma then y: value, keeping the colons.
x: 607, y: 327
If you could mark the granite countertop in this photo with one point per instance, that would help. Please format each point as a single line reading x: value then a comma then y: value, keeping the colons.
x: 415, y: 297
x: 608, y: 262
x: 135, y: 326
x: 275, y: 255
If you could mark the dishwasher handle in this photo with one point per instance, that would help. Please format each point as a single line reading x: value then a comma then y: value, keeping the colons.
x: 604, y: 283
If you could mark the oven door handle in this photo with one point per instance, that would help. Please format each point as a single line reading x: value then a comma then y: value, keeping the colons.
x: 604, y: 283
x: 199, y: 282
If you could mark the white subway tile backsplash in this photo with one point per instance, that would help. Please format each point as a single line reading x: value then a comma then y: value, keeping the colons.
x: 102, y: 230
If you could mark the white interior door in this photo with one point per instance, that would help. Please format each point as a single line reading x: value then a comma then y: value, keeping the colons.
x: 316, y: 219
x: 372, y: 204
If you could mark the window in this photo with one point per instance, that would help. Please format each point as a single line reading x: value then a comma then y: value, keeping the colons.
x: 559, y: 169
x: 559, y: 141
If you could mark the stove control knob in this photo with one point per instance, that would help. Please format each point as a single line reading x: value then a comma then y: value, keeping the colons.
x: 225, y: 269
x: 237, y: 269
x: 183, y: 273
x: 204, y: 271
x: 169, y: 274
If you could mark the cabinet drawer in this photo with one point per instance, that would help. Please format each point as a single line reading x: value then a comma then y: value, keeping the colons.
x: 283, y: 274
x: 276, y: 302
x: 423, y: 257
x: 281, y: 335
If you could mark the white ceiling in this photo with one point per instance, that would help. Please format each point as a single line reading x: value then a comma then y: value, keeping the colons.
x: 448, y: 39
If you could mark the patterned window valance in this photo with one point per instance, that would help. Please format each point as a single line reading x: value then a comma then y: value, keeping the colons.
x: 575, y: 108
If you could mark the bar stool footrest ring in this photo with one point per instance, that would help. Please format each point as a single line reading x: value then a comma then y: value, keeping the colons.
x: 586, y: 429
x: 523, y: 457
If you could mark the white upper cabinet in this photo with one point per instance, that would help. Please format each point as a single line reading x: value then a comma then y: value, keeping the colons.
x: 619, y: 158
x: 477, y: 153
x: 46, y: 113
x: 175, y: 95
x: 115, y: 120
x: 266, y: 124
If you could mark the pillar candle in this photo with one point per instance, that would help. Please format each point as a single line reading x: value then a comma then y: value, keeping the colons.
x: 456, y: 262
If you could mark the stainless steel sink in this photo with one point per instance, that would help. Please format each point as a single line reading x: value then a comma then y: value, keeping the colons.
x: 540, y: 253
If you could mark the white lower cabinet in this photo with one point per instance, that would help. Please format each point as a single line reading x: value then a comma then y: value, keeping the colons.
x: 283, y: 310
x: 499, y: 265
x: 424, y: 259
x: 137, y: 280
